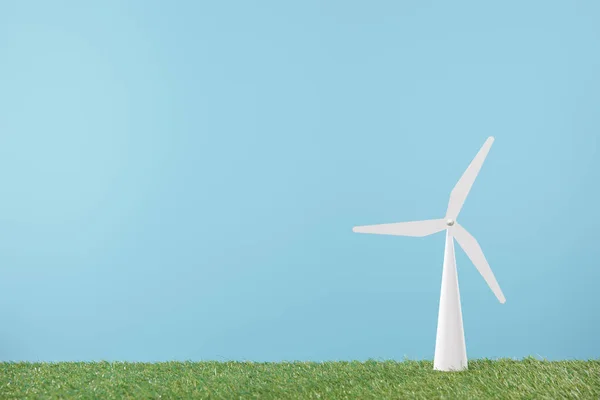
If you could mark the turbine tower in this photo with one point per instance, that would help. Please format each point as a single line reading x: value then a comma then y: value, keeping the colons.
x: 450, y: 349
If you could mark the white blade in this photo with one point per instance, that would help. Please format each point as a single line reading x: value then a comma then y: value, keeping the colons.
x: 413, y: 228
x: 475, y: 254
x: 463, y: 186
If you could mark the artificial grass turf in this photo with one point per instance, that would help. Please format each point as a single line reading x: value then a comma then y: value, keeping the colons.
x: 499, y: 379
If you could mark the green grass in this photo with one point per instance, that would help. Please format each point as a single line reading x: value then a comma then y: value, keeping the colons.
x: 501, y: 379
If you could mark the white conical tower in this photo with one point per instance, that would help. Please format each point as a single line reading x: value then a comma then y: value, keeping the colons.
x: 450, y: 349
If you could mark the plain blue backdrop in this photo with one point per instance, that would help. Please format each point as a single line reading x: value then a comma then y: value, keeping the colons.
x: 179, y: 180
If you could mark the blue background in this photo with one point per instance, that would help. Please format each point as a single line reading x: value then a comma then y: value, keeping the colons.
x: 179, y: 180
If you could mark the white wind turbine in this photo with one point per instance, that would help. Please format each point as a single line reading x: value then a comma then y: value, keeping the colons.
x: 450, y: 350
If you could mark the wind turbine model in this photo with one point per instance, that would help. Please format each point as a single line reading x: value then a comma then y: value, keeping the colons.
x: 450, y: 350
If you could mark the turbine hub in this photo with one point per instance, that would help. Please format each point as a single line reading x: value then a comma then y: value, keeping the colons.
x: 450, y: 222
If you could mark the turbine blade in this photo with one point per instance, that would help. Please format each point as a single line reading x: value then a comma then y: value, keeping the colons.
x: 475, y: 254
x: 413, y: 228
x: 464, y: 184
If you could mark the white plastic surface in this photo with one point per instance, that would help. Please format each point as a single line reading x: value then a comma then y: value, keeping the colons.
x: 450, y: 348
x: 413, y: 228
x: 464, y: 184
x: 471, y: 247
